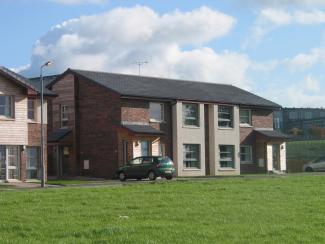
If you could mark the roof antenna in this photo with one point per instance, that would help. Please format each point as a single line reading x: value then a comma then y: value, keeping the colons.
x: 140, y: 63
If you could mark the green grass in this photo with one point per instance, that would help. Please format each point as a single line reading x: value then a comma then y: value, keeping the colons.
x: 233, y: 210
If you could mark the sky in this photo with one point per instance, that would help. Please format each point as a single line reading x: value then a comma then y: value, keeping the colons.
x: 274, y: 48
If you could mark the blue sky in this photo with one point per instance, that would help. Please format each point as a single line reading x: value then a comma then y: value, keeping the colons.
x: 276, y: 50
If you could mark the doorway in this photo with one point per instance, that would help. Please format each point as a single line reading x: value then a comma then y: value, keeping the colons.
x: 10, y: 162
x: 276, y: 156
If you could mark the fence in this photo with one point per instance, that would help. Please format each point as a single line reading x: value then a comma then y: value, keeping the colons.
x: 301, y: 152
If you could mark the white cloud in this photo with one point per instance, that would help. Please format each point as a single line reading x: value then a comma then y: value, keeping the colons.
x: 277, y: 3
x: 270, y: 19
x: 76, y: 2
x: 306, y: 93
x: 303, y: 61
x: 172, y: 43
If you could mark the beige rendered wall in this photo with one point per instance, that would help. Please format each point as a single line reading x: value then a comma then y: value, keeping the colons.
x: 187, y: 135
x: 223, y: 136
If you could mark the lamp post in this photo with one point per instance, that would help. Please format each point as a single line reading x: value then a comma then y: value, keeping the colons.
x: 48, y: 63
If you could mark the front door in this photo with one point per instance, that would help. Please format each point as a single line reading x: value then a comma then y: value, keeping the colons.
x: 13, y: 161
x: 276, y: 156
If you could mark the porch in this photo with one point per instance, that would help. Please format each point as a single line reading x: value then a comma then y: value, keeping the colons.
x: 268, y: 153
x: 140, y: 140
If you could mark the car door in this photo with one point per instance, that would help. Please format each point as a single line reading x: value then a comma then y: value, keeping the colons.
x: 133, y: 167
x: 147, y: 164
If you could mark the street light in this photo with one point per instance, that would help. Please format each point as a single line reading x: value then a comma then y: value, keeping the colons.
x: 48, y: 63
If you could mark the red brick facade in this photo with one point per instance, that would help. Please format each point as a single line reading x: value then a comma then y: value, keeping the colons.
x: 261, y: 118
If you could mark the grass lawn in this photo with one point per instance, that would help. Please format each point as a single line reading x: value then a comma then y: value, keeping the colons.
x: 287, y: 209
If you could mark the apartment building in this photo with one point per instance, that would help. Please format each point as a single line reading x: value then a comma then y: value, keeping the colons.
x: 100, y: 121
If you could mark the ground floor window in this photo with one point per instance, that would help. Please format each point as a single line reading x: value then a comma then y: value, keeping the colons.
x: 191, y: 156
x: 33, y: 162
x: 246, y: 154
x: 162, y: 149
x: 227, y: 159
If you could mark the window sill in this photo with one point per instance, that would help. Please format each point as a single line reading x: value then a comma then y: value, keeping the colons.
x: 6, y: 118
x: 225, y: 128
x: 30, y: 121
x: 226, y: 169
x: 156, y: 121
x: 191, y: 169
x: 190, y: 127
x: 245, y: 126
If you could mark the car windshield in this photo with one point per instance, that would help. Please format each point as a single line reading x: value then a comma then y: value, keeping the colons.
x: 164, y: 160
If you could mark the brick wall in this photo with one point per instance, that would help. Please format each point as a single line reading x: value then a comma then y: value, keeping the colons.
x: 98, y: 117
x: 260, y: 119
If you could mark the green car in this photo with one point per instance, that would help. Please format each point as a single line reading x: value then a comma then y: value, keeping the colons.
x: 147, y: 167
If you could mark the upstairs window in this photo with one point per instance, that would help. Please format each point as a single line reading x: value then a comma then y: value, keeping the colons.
x: 190, y: 114
x: 156, y: 112
x: 64, y: 116
x: 31, y: 109
x: 245, y: 117
x: 225, y: 117
x: 6, y: 106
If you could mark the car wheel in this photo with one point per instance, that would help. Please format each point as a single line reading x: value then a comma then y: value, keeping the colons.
x: 139, y: 178
x: 152, y: 175
x: 122, y: 176
x: 169, y: 177
x: 309, y: 169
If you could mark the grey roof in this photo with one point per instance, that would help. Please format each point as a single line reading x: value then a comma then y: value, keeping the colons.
x: 58, y: 135
x: 46, y: 80
x: 273, y: 134
x: 161, y: 88
x: 24, y: 81
x: 143, y: 129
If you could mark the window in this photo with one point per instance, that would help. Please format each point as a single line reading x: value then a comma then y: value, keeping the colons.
x: 191, y: 156
x: 162, y: 149
x: 136, y: 161
x: 225, y: 117
x: 64, y: 115
x: 322, y: 114
x: 144, y: 148
x: 33, y: 162
x: 308, y: 115
x: 156, y: 111
x: 227, y: 156
x: 6, y: 106
x: 245, y: 117
x: 293, y: 115
x: 31, y: 109
x: 190, y: 114
x: 246, y: 154
x: 13, y: 162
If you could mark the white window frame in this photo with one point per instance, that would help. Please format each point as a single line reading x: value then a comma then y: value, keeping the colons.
x: 197, y: 125
x: 225, y: 159
x: 11, y: 107
x: 29, y: 109
x: 64, y: 115
x: 191, y: 159
x: 249, y: 117
x: 250, y: 152
x: 162, y: 109
x: 231, y: 120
